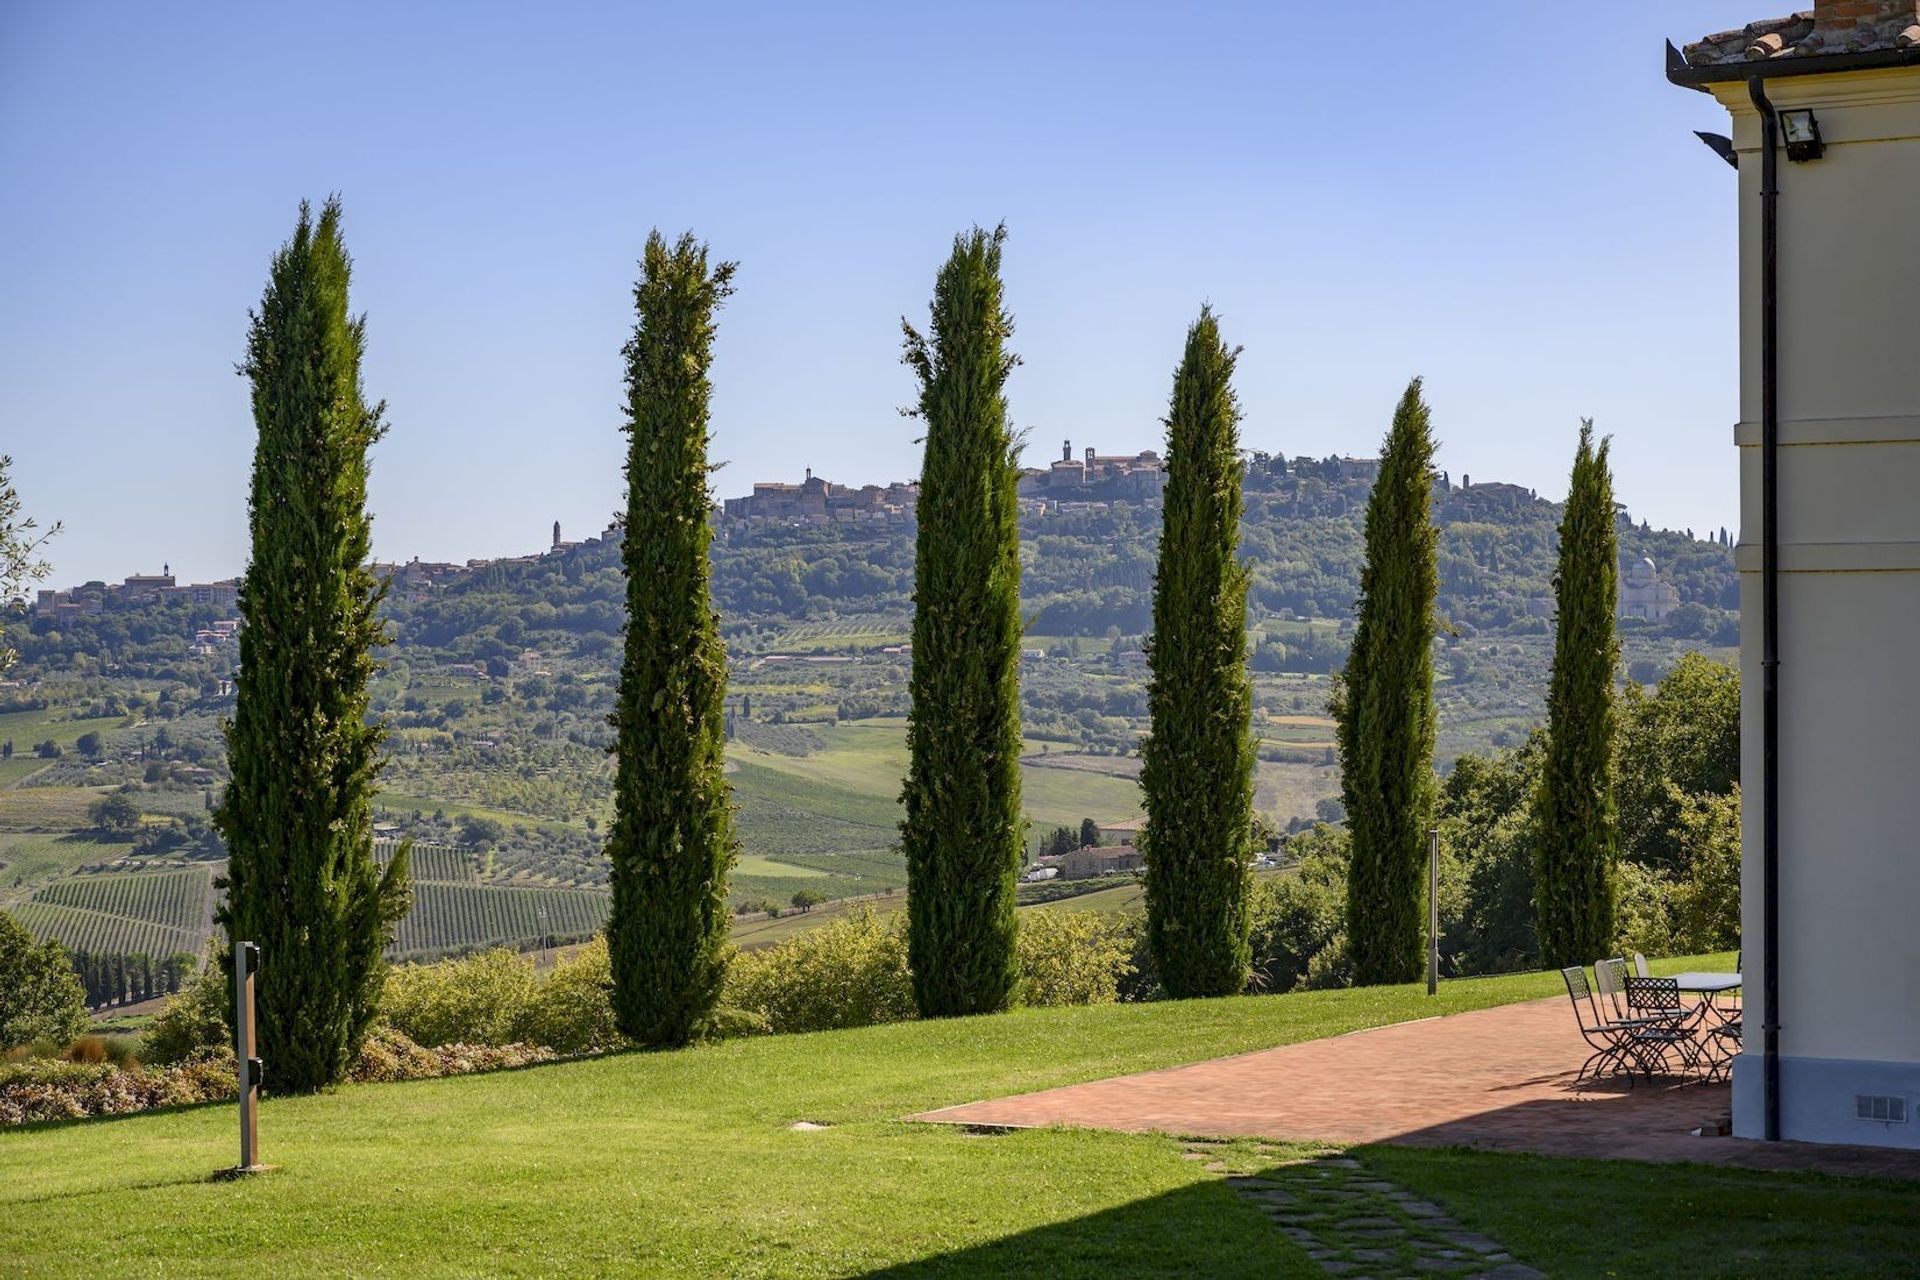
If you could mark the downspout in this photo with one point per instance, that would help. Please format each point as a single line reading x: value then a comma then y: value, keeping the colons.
x: 1769, y: 602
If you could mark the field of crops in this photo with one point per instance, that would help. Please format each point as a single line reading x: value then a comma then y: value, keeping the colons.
x: 79, y: 929
x: 46, y: 808
x: 854, y: 631
x: 439, y: 863
x: 173, y: 899
x: 455, y: 917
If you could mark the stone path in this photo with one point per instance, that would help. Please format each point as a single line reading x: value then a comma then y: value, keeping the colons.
x: 1362, y: 1227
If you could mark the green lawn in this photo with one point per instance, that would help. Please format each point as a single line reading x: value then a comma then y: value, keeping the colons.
x: 686, y: 1164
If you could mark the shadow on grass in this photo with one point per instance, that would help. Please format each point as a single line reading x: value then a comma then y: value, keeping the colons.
x: 1200, y: 1230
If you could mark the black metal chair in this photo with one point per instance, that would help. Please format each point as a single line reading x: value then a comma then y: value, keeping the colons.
x: 1610, y: 1038
x: 1663, y: 1026
x: 1724, y: 1046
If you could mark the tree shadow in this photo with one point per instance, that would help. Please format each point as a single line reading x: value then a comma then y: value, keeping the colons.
x: 1205, y: 1229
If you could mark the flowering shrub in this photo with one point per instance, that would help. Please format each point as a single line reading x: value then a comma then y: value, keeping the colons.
x: 50, y: 1089
x: 388, y: 1055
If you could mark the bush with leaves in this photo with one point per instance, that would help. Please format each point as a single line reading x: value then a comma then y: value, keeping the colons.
x: 1073, y: 957
x: 476, y: 999
x: 192, y: 1021
x: 498, y: 998
x: 1299, y: 920
x: 572, y: 1009
x: 40, y: 995
x: 1707, y: 901
x: 850, y: 973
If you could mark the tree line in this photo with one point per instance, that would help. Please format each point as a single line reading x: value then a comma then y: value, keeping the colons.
x: 305, y: 759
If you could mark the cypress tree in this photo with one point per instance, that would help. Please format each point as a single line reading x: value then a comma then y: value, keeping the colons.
x: 1383, y: 708
x: 963, y: 831
x: 671, y: 842
x: 297, y: 817
x: 1575, y: 817
x: 1197, y: 761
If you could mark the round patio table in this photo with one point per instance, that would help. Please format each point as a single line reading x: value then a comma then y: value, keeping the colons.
x: 1712, y: 1018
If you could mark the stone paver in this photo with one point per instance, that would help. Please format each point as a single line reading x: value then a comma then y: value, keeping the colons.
x: 1354, y: 1223
x: 1496, y: 1079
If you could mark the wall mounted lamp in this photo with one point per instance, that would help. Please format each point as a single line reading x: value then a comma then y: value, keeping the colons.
x: 1802, y: 130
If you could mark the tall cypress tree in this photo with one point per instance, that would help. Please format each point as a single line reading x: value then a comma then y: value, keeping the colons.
x: 963, y: 831
x: 1383, y: 708
x: 1197, y: 762
x: 1576, y: 821
x: 298, y: 817
x: 672, y: 842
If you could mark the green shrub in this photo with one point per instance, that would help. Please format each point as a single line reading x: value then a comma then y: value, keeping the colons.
x: 1643, y: 911
x: 1073, y: 957
x: 192, y: 1021
x: 1299, y: 920
x: 40, y: 995
x: 478, y: 999
x: 850, y: 973
x: 1706, y: 904
x: 572, y: 1006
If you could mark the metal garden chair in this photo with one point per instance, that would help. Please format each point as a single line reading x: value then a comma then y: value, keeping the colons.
x: 1610, y: 980
x: 1610, y: 1038
x: 1663, y: 1025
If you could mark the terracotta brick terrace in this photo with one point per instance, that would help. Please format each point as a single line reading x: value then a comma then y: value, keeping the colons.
x: 1497, y: 1079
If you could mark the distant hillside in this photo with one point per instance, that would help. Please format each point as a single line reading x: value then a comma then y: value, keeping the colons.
x: 1086, y: 572
x: 497, y: 689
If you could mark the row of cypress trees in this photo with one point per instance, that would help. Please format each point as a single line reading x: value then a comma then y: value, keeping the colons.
x: 1383, y: 708
x: 297, y: 817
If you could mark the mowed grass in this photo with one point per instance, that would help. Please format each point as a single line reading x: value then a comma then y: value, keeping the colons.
x: 686, y: 1164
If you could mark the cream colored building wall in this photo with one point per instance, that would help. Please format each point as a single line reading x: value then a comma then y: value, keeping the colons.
x: 1849, y: 521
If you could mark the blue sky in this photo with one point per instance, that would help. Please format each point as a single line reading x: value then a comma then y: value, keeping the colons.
x: 1505, y: 197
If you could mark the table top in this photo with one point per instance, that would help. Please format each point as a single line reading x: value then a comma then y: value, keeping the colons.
x: 1707, y: 981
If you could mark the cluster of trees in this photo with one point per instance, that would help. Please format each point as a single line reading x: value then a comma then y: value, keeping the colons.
x: 303, y: 880
x: 1064, y: 840
x: 1675, y: 759
x: 40, y: 996
x: 113, y: 978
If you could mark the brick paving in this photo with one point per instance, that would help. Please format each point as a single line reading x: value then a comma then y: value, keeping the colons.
x: 1497, y: 1079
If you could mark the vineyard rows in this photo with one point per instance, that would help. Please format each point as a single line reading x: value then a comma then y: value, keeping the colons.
x: 854, y: 625
x: 178, y: 900
x: 79, y: 929
x: 440, y: 863
x: 448, y: 917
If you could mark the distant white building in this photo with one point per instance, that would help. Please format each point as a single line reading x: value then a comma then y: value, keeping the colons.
x: 1645, y: 594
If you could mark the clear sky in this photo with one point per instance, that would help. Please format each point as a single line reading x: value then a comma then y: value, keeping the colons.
x: 1504, y: 196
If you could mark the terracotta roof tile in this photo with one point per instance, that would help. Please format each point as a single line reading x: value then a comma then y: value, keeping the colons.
x: 1832, y: 28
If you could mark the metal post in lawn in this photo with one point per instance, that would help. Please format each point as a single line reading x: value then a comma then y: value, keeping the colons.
x: 1433, y: 911
x: 246, y: 965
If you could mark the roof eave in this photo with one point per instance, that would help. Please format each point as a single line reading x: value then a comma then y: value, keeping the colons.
x: 1691, y: 77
